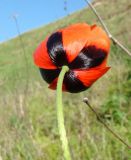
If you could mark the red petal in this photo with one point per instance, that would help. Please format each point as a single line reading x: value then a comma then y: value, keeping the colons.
x: 74, y: 39
x: 41, y: 57
x: 98, y: 38
x: 88, y: 77
x: 77, y: 36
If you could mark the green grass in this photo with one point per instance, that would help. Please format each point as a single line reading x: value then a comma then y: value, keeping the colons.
x: 28, y: 123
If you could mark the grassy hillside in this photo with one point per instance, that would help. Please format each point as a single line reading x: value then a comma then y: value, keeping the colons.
x: 28, y: 124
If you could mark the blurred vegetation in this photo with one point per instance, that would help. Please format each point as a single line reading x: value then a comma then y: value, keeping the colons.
x: 28, y: 129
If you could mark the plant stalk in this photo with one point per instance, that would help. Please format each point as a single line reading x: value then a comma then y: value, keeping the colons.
x: 85, y: 100
x: 60, y: 115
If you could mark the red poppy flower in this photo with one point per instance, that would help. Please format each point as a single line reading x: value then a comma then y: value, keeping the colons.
x: 83, y: 48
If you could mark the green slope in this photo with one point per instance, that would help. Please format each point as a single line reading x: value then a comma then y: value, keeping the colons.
x: 28, y: 129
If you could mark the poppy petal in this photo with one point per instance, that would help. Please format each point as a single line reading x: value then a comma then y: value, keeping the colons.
x: 53, y: 85
x: 72, y: 83
x: 74, y: 39
x: 89, y: 57
x: 42, y: 58
x: 98, y: 38
x: 89, y: 76
x: 56, y: 50
x: 49, y: 74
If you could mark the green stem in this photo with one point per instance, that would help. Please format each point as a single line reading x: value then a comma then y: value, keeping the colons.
x: 60, y: 116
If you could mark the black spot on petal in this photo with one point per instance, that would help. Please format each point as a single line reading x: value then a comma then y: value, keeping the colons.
x: 88, y: 57
x: 49, y: 74
x: 73, y: 84
x: 56, y: 50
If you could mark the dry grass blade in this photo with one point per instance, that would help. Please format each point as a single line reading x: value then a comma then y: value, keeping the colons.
x: 26, y: 61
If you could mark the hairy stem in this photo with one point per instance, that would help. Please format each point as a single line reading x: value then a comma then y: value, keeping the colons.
x: 60, y: 116
x: 85, y: 100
